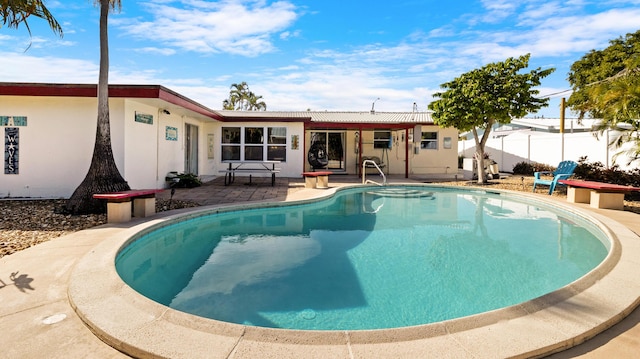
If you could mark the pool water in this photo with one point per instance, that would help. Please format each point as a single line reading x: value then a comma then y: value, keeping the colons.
x: 367, y: 258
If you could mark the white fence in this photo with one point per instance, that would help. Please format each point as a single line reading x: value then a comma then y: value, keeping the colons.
x: 549, y: 148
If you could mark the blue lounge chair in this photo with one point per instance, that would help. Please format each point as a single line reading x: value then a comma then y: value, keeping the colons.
x: 565, y: 170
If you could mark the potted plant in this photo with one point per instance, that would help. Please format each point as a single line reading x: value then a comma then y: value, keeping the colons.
x: 187, y: 180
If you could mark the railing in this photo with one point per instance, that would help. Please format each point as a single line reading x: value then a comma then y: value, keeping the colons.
x: 364, y: 173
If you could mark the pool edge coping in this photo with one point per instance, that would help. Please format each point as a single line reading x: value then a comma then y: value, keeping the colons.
x: 126, y: 321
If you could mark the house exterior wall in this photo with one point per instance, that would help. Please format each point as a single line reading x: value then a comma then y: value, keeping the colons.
x: 438, y: 161
x: 292, y: 167
x: 140, y: 144
x: 56, y: 145
x: 170, y: 148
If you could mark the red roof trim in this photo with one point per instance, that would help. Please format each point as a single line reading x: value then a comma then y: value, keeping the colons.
x: 115, y: 91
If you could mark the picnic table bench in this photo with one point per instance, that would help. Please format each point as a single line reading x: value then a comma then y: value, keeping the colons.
x: 119, y: 204
x: 250, y: 167
x: 319, y: 179
x: 597, y: 194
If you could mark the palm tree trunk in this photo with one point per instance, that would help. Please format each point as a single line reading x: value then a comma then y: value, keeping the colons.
x: 103, y: 175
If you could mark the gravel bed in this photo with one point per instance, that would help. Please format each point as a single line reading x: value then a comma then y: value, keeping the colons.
x: 25, y: 223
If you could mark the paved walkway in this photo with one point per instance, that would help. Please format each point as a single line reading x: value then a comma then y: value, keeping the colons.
x: 37, y: 320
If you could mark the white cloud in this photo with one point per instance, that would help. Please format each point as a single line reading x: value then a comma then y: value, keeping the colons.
x: 498, y: 10
x: 236, y: 27
x: 156, y: 50
x: 46, y: 69
x: 286, y: 35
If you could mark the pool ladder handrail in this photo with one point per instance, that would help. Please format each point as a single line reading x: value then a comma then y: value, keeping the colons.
x: 364, y: 173
x: 373, y: 211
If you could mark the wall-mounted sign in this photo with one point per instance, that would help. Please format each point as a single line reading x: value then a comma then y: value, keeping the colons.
x: 11, y: 142
x: 210, y: 144
x: 13, y: 121
x: 171, y: 133
x: 144, y: 118
x: 447, y: 143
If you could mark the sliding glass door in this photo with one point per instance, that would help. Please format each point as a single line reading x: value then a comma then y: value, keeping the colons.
x: 334, y: 143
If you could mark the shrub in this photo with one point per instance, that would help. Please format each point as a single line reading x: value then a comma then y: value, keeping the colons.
x: 596, y: 171
x: 528, y: 168
x: 523, y: 168
x: 187, y: 180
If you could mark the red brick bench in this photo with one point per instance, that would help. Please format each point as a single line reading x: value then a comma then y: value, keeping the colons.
x: 597, y: 194
x: 319, y: 179
x: 119, y: 204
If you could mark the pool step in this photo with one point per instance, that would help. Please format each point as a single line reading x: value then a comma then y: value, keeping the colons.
x: 402, y: 193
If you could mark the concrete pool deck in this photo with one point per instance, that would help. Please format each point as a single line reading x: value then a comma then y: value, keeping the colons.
x: 38, y: 318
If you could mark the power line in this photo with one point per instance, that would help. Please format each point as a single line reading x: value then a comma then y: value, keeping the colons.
x: 555, y: 93
x: 625, y: 72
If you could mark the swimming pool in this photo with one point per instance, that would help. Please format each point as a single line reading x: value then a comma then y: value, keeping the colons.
x: 366, y: 258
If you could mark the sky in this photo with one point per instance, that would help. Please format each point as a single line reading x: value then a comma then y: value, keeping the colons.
x: 322, y: 55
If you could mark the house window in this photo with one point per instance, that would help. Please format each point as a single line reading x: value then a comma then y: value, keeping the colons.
x: 277, y: 143
x: 381, y: 139
x: 252, y: 146
x: 231, y: 143
x: 429, y: 140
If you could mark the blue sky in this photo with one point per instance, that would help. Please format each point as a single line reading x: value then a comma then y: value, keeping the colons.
x: 318, y: 55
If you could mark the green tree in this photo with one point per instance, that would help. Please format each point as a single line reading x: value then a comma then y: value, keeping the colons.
x: 103, y: 174
x: 16, y: 12
x: 255, y: 103
x: 606, y: 85
x: 493, y: 94
x: 243, y: 99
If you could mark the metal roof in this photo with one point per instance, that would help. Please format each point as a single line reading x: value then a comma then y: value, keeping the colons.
x: 333, y: 116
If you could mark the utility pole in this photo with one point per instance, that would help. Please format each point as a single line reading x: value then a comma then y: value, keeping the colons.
x: 562, y: 110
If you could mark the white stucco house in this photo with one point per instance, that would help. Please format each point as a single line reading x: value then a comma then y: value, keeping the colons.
x: 49, y: 132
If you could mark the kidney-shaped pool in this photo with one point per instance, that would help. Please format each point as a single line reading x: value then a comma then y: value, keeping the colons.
x: 366, y: 258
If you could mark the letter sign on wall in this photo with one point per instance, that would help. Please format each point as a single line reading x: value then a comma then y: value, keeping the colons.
x: 11, y: 142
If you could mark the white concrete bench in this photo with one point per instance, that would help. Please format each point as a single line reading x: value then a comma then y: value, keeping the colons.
x: 319, y: 179
x: 597, y: 194
x: 119, y: 204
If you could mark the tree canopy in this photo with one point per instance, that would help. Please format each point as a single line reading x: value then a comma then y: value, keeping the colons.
x: 243, y: 99
x: 600, y: 70
x: 494, y: 93
x: 606, y: 85
x: 16, y: 12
